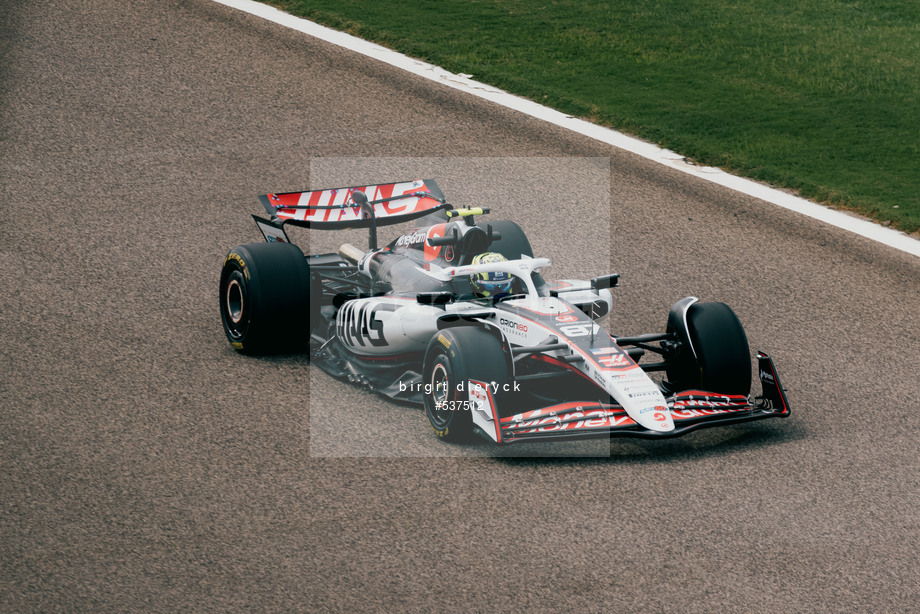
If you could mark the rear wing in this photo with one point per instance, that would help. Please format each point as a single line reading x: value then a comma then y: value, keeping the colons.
x: 354, y: 207
x: 351, y: 207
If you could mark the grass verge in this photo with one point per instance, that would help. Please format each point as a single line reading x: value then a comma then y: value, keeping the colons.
x: 820, y: 96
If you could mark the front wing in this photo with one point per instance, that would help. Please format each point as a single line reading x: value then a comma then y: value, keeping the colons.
x: 691, y: 410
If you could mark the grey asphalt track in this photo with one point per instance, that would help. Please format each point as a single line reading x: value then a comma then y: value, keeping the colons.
x: 145, y: 466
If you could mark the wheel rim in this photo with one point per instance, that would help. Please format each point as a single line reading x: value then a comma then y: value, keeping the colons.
x: 235, y: 307
x: 440, y: 392
x: 235, y: 301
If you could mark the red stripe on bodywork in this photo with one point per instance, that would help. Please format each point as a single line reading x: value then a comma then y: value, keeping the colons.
x: 559, y: 363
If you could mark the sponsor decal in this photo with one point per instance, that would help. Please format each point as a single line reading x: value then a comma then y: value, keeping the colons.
x: 358, y: 324
x: 345, y: 210
x: 444, y: 341
x: 660, y: 414
x: 239, y: 260
x: 271, y: 233
x: 432, y: 252
x: 479, y: 399
x: 578, y: 330
x: 766, y: 377
x: 708, y: 403
x: 630, y: 378
x: 685, y: 414
x: 567, y: 318
x: 236, y: 258
x: 401, y: 206
x: 414, y: 238
x: 592, y: 419
x: 613, y: 358
x: 514, y: 326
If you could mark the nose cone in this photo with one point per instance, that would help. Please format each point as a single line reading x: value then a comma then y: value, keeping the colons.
x: 641, y: 399
x: 654, y: 418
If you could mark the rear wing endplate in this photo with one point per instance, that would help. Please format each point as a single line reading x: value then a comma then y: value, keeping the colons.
x: 273, y: 232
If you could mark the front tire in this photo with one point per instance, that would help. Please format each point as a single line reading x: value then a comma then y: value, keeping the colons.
x: 265, y: 298
x: 720, y: 360
x: 453, y: 358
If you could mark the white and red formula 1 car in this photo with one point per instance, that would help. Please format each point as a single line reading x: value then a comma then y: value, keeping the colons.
x: 454, y: 315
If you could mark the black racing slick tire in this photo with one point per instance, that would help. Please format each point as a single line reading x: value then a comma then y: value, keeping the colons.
x: 454, y: 357
x: 721, y: 359
x: 265, y: 298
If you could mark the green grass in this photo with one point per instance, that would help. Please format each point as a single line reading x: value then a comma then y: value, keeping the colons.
x: 821, y: 96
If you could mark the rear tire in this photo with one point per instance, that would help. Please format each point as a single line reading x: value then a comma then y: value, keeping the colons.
x: 723, y: 359
x: 455, y: 356
x: 265, y: 298
x: 514, y: 242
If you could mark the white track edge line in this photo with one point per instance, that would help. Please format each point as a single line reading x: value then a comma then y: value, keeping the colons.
x: 863, y: 227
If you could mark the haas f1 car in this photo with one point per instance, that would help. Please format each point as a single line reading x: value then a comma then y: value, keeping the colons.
x: 456, y: 317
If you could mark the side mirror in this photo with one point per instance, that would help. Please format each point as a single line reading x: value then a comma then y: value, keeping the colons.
x: 437, y: 299
x: 359, y: 198
x: 605, y: 281
x: 449, y: 239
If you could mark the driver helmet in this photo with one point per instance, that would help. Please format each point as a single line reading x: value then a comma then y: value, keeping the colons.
x: 495, y: 283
